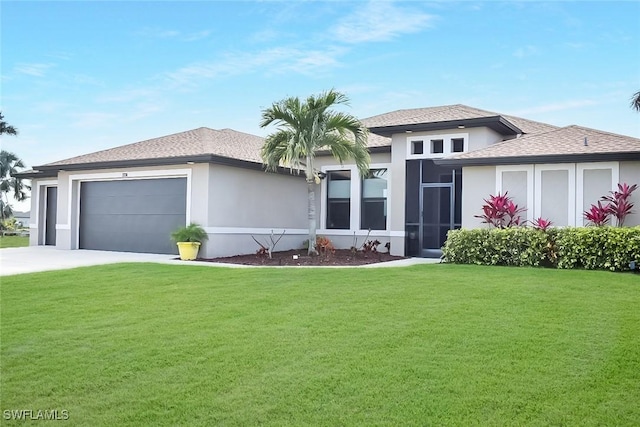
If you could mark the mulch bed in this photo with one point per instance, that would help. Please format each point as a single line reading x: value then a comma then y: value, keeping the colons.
x: 341, y: 257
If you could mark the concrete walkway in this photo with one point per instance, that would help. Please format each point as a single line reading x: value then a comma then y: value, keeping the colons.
x: 45, y: 258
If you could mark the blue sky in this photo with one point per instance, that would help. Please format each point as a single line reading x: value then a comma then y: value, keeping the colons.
x: 83, y: 76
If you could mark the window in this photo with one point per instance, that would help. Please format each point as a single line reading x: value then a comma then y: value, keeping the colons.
x: 373, y: 209
x: 437, y: 146
x: 417, y: 147
x: 338, y: 199
x: 457, y: 145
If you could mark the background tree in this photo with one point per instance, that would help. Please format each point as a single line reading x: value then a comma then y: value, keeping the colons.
x: 5, y: 128
x: 306, y: 127
x: 10, y: 185
x: 9, y: 165
x: 635, y: 101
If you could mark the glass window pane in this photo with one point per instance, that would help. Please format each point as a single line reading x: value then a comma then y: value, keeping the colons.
x: 339, y: 184
x: 417, y: 147
x: 338, y: 214
x: 338, y: 199
x: 374, y: 200
x: 457, y: 145
x: 375, y: 185
x: 437, y: 146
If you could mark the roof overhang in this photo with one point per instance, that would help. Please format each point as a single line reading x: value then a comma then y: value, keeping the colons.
x: 496, y: 123
x: 35, y: 174
x: 551, y: 158
x: 46, y: 171
x: 376, y: 149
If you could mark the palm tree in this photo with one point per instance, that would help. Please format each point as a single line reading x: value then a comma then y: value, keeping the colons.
x: 9, y: 164
x: 635, y: 101
x: 306, y: 127
x: 5, y: 128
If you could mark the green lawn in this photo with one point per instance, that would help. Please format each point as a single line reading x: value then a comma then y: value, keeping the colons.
x: 144, y: 344
x: 13, y: 241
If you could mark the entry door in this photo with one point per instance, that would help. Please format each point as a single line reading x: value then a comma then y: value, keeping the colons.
x: 51, y: 212
x: 437, y: 217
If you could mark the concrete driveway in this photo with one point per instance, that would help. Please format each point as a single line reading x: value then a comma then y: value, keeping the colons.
x: 44, y: 258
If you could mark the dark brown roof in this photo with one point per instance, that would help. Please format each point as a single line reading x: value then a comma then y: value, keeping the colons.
x: 449, y: 113
x: 562, y: 142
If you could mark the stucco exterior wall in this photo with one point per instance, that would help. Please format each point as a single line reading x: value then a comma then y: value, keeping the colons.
x: 251, y: 198
x: 242, y: 203
x: 559, y: 192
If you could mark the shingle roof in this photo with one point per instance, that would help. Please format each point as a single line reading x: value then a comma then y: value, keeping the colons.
x: 448, y: 113
x: 374, y: 140
x: 540, y: 139
x: 564, y: 141
x: 197, y: 142
x: 202, y: 141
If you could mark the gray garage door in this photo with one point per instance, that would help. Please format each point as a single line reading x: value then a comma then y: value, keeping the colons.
x: 132, y: 216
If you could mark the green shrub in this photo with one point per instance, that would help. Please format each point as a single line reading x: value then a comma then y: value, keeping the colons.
x: 606, y: 248
x: 517, y: 246
x: 598, y: 248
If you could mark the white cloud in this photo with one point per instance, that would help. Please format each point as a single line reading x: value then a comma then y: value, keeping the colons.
x: 36, y: 70
x: 275, y: 60
x: 380, y: 21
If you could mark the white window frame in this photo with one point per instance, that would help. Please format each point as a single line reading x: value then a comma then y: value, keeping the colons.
x: 426, y: 144
x: 581, y: 167
x: 569, y: 167
x: 529, y: 169
x: 356, y: 193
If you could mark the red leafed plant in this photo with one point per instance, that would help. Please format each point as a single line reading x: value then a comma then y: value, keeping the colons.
x: 541, y: 224
x: 619, y: 205
x: 500, y: 211
x: 598, y: 215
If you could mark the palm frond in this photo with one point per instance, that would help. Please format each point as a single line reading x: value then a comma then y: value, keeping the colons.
x: 635, y: 101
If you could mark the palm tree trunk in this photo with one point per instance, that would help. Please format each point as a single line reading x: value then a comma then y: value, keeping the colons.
x: 311, y: 192
x: 312, y: 216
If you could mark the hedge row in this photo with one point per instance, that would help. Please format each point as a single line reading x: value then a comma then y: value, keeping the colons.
x: 593, y: 248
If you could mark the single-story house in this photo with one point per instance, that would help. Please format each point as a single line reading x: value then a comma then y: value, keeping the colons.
x: 431, y: 168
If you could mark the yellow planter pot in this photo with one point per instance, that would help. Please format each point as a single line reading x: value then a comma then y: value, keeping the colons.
x: 188, y: 250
